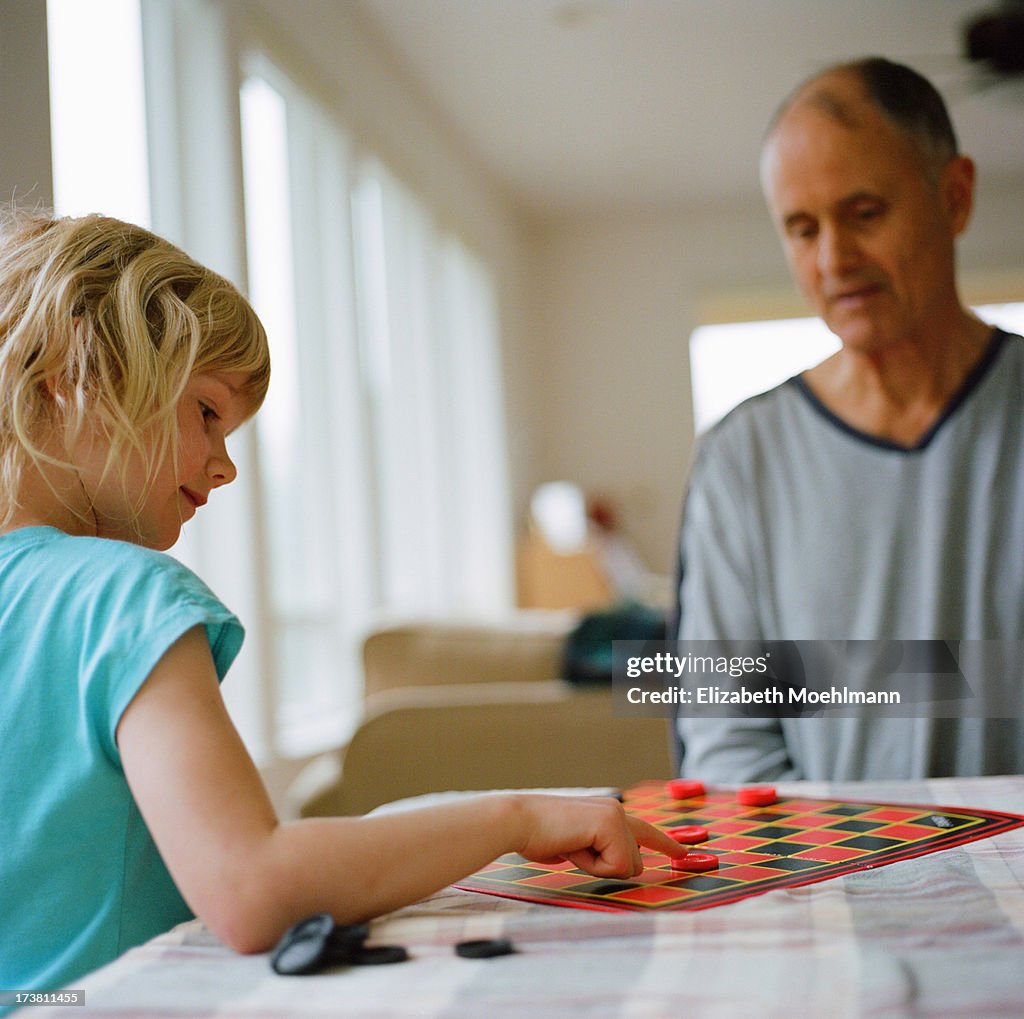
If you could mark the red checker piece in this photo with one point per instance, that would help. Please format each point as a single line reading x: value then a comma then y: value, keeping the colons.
x: 696, y: 863
x: 684, y: 788
x: 688, y: 834
x: 756, y: 795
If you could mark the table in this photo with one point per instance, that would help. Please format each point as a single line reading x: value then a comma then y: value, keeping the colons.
x: 942, y: 935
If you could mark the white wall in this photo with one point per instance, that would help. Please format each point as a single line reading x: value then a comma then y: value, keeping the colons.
x: 596, y: 309
x: 617, y: 298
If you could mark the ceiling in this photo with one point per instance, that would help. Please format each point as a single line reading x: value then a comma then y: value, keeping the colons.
x: 577, y: 105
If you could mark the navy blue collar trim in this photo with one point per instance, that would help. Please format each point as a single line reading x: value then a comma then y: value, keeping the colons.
x: 970, y: 383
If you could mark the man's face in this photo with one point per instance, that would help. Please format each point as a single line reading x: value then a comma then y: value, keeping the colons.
x: 868, y: 237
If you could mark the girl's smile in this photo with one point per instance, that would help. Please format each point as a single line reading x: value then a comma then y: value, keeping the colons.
x: 150, y: 510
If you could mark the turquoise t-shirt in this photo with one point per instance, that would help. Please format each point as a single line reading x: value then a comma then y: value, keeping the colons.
x: 83, y: 621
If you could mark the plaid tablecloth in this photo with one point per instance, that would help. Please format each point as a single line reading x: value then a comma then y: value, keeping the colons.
x: 942, y: 935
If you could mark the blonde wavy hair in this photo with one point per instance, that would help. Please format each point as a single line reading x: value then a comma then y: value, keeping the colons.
x: 102, y: 321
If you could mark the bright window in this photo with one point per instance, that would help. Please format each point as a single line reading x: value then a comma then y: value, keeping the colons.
x: 732, y: 361
x: 1008, y: 316
x: 429, y: 339
x: 735, y: 360
x: 97, y: 109
x: 373, y: 482
x: 381, y: 443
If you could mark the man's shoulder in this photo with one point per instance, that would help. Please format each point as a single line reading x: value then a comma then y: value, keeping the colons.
x: 1012, y: 348
x: 755, y: 417
x: 758, y: 431
x: 998, y: 378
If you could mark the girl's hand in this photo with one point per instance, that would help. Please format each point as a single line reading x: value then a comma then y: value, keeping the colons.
x: 594, y: 834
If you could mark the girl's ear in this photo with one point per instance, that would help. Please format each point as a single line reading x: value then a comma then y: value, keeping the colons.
x: 55, y: 392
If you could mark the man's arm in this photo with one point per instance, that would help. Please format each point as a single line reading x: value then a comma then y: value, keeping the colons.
x: 718, y: 601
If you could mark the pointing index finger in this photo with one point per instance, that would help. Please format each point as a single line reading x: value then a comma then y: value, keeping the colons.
x: 656, y: 839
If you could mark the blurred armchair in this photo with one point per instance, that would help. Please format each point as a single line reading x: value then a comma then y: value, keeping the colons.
x: 453, y: 706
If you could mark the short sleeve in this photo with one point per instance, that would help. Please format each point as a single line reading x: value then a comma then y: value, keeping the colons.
x: 134, y: 609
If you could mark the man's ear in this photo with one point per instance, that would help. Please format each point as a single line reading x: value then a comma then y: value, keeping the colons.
x: 956, y: 186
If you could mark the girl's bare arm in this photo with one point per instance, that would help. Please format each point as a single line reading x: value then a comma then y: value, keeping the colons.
x: 248, y: 877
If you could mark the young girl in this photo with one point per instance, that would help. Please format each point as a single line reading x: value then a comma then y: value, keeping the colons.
x: 128, y: 798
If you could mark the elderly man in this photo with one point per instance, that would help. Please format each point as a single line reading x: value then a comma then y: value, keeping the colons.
x: 879, y: 495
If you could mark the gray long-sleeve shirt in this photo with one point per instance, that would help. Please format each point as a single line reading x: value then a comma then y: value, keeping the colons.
x: 798, y: 527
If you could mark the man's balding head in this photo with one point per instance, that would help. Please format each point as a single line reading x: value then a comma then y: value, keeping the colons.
x: 905, y: 98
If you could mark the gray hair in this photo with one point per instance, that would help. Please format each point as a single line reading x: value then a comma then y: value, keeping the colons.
x: 906, y: 98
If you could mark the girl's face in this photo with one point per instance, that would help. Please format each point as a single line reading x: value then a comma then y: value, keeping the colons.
x: 210, y: 408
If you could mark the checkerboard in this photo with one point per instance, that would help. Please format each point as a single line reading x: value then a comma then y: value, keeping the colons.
x: 789, y: 843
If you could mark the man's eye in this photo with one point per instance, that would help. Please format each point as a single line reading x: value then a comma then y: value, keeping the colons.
x: 868, y: 212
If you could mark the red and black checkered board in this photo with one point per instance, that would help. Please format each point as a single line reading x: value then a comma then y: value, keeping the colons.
x: 792, y: 842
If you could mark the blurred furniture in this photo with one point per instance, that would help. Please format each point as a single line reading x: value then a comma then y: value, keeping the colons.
x: 525, y: 648
x: 549, y: 579
x: 936, y: 936
x: 574, y: 555
x: 452, y: 706
x: 558, y: 565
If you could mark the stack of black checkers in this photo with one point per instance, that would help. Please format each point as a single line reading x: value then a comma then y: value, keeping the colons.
x: 318, y: 943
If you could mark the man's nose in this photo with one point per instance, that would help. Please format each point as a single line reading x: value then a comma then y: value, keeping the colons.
x: 838, y: 251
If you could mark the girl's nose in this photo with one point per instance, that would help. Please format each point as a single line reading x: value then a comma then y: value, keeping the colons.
x: 221, y: 468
